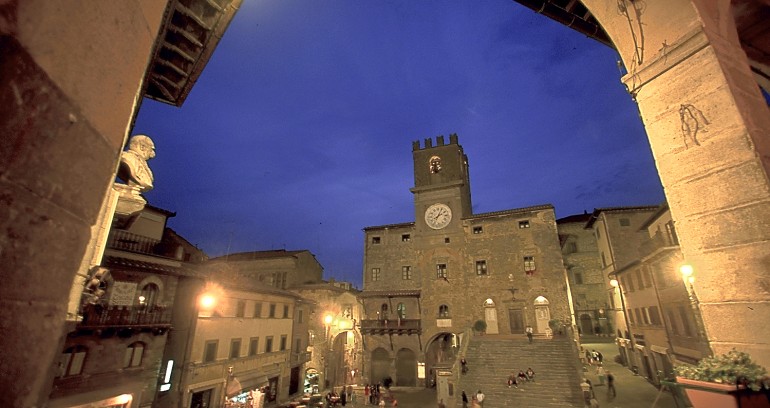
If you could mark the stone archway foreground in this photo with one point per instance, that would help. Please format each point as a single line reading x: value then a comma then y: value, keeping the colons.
x: 707, y: 124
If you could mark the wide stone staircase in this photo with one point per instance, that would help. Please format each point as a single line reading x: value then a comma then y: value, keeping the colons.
x: 491, y: 359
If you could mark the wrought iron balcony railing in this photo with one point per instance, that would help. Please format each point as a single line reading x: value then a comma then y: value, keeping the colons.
x: 97, y: 316
x: 398, y: 326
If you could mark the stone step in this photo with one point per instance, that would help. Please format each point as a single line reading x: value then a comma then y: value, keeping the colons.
x: 491, y: 360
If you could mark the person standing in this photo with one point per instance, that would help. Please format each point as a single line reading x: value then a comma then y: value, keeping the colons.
x: 465, y: 399
x: 530, y: 333
x: 600, y: 373
x: 366, y: 394
x: 464, y: 365
x: 480, y: 398
x: 611, y: 385
x: 585, y: 386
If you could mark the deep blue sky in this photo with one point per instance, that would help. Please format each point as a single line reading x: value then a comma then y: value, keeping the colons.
x: 299, y: 132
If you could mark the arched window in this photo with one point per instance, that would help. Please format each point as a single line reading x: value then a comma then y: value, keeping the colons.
x: 133, y: 356
x: 401, y: 309
x: 443, y: 311
x: 149, y: 295
x: 72, y: 361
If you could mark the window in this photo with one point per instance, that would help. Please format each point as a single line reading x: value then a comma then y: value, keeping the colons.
x: 646, y: 316
x: 435, y: 164
x: 625, y: 222
x: 443, y: 311
x: 258, y: 310
x: 604, y: 261
x: 210, y: 351
x: 631, y: 316
x: 446, y: 240
x: 638, y: 315
x: 524, y: 224
x: 578, y: 277
x: 269, y: 344
x: 72, y: 361
x: 376, y: 240
x: 285, y: 311
x: 406, y: 237
x: 298, y: 346
x: 671, y: 232
x: 441, y: 272
x: 272, y: 311
x: 639, y: 282
x: 375, y: 274
x: 630, y: 282
x: 253, y: 346
x: 571, y: 247
x: 654, y: 315
x: 299, y: 316
x: 529, y: 265
x: 686, y: 323
x: 401, y: 310
x: 406, y: 272
x: 478, y: 230
x: 283, y: 342
x: 235, y: 348
x: 240, y: 308
x: 481, y: 268
x: 672, y: 322
x: 133, y: 356
x: 149, y: 295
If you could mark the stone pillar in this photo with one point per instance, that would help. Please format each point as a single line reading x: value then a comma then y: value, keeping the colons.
x: 708, y: 127
x: 70, y: 79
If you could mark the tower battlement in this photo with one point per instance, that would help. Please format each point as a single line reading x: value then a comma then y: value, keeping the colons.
x: 439, y: 142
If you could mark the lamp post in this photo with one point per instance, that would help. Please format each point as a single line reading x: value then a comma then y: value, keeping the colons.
x: 616, y: 285
x: 688, y: 279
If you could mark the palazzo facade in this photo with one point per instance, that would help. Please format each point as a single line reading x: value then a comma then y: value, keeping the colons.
x: 428, y: 282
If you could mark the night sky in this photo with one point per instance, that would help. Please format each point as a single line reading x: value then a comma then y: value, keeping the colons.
x: 299, y: 132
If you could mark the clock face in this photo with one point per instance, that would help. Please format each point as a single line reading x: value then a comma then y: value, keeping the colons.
x: 438, y: 216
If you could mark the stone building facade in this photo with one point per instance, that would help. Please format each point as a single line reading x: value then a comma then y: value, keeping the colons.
x: 618, y: 239
x: 426, y: 282
x: 335, y: 338
x: 588, y: 284
x: 663, y: 312
x: 278, y: 268
x: 250, y: 336
x: 114, y: 347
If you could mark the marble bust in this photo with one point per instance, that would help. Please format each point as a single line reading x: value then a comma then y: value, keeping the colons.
x: 134, y: 170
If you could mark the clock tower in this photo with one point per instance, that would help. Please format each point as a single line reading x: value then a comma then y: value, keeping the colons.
x: 442, y: 191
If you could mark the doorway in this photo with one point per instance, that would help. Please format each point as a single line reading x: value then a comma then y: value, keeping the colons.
x: 490, y: 316
x: 542, y: 314
x: 516, y: 318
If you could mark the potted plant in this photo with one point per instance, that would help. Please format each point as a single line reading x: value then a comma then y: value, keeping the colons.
x: 480, y: 326
x: 725, y: 381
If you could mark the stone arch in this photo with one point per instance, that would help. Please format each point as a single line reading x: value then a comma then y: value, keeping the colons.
x: 380, y: 365
x: 542, y: 314
x: 694, y: 80
x: 406, y: 368
x: 440, y: 351
x: 490, y: 316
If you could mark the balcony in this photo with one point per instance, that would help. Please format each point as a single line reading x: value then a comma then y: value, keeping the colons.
x: 99, y: 317
x: 381, y: 327
x: 300, y: 358
x: 658, y: 241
